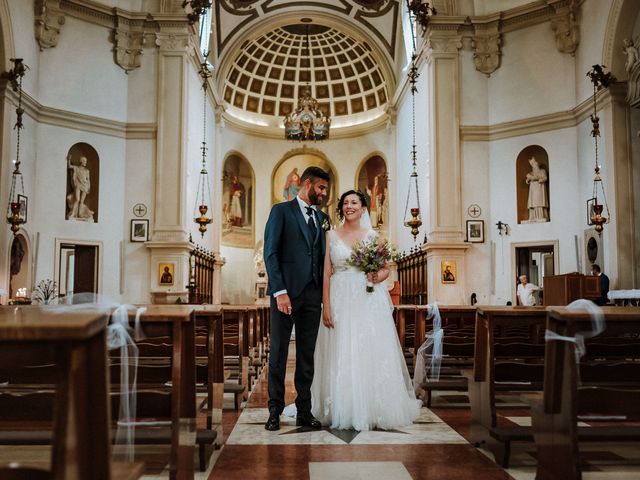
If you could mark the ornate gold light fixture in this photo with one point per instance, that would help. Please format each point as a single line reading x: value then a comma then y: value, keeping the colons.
x: 307, y: 121
x: 202, y: 202
x: 421, y: 11
x: 415, y: 222
x: 196, y: 9
x: 600, y: 80
x: 16, y: 210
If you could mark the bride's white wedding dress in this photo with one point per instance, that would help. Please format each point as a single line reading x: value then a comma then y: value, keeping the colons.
x: 361, y: 379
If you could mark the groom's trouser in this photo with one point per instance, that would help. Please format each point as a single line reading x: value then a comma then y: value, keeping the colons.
x: 306, y: 311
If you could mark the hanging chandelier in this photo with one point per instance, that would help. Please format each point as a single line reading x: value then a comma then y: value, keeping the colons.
x: 595, y: 207
x: 415, y: 222
x: 307, y: 121
x: 17, y: 207
x: 203, y: 194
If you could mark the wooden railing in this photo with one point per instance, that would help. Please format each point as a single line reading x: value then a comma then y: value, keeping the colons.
x: 200, y: 286
x: 412, y: 275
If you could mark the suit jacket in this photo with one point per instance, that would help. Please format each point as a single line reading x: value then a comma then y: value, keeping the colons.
x: 289, y: 248
x: 604, y: 289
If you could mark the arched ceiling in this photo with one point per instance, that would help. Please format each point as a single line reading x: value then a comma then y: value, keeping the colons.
x: 268, y: 51
x: 270, y: 72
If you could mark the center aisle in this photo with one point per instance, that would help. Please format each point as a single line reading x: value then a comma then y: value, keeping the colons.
x: 427, y: 449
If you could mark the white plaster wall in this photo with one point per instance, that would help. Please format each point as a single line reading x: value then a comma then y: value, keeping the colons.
x: 485, y: 7
x: 79, y: 74
x: 567, y: 216
x: 474, y: 101
x: 533, y: 79
x: 47, y: 202
x: 264, y: 155
x: 139, y: 176
x: 593, y: 23
x: 476, y: 190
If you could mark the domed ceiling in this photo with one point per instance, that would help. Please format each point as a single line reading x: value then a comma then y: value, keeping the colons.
x: 270, y: 72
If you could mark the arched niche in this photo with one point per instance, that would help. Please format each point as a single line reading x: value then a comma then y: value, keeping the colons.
x: 372, y: 179
x: 19, y: 265
x: 83, y: 183
x: 238, y: 182
x: 532, y: 185
x: 286, y: 177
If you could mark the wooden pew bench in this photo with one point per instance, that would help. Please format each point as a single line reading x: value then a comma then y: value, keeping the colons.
x: 49, y: 361
x: 505, y: 368
x: 598, y: 388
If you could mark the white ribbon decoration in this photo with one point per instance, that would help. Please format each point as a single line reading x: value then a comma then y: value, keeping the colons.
x: 433, y: 343
x: 117, y: 337
x: 597, y: 324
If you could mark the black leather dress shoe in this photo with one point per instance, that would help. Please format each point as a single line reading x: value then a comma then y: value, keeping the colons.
x: 306, y: 419
x: 273, y: 423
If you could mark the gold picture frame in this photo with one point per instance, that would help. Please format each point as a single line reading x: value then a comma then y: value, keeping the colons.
x: 448, y: 272
x: 166, y: 273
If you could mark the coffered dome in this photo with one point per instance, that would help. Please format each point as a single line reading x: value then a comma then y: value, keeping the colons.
x: 270, y: 73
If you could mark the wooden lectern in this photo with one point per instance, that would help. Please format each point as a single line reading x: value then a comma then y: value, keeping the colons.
x: 564, y: 289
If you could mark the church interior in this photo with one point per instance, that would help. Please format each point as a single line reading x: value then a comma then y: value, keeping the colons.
x: 143, y: 144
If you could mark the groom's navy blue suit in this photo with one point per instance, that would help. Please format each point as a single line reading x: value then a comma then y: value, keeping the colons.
x: 294, y: 258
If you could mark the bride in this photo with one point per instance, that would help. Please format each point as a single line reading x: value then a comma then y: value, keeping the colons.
x: 361, y: 380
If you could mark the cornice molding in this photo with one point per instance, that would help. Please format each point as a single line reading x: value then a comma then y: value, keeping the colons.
x: 537, y: 124
x: 78, y: 121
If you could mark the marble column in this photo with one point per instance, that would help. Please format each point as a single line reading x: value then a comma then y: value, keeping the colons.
x: 446, y: 234
x: 170, y: 238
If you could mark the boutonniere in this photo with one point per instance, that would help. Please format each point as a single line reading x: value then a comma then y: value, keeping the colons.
x: 325, y: 225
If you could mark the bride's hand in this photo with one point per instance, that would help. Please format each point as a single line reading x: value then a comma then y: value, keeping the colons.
x: 379, y: 276
x: 326, y: 317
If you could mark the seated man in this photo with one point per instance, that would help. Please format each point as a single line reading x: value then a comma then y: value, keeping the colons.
x: 604, y: 285
x: 525, y: 291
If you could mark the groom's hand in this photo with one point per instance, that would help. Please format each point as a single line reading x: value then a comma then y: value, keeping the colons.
x: 284, y: 303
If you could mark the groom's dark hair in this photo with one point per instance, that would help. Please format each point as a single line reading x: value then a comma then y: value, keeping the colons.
x: 313, y: 173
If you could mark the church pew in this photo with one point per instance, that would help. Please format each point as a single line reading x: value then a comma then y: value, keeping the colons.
x: 590, y: 389
x: 49, y: 362
x: 236, y: 359
x: 492, y: 374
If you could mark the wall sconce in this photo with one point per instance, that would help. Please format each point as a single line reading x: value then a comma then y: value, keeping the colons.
x: 503, y: 228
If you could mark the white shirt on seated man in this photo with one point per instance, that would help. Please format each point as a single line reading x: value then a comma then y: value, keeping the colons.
x: 526, y: 291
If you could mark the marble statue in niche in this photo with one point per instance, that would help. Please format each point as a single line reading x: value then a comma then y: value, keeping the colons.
x: 532, y: 185
x: 537, y: 202
x: 82, y: 183
x: 631, y: 52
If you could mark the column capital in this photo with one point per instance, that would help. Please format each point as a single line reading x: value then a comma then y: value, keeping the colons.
x: 174, y: 41
x: 443, y: 42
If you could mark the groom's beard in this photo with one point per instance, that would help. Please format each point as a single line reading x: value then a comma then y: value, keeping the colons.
x: 314, y: 199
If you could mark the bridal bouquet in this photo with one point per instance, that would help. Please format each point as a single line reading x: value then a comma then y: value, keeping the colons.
x: 370, y: 256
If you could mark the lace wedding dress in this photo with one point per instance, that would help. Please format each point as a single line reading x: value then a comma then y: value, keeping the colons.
x: 361, y: 380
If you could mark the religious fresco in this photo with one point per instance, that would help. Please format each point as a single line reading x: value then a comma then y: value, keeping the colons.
x: 237, y: 202
x: 287, y: 179
x: 83, y: 183
x: 532, y: 185
x: 373, y: 181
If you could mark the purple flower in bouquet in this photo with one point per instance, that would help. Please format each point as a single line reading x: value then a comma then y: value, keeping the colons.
x: 370, y: 256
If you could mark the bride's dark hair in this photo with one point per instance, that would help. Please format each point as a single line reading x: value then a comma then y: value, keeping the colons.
x: 363, y: 201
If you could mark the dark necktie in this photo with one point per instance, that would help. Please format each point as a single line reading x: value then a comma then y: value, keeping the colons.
x: 310, y: 222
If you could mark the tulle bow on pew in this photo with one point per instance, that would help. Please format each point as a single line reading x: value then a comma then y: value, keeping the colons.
x: 432, y: 347
x: 118, y: 336
x: 597, y: 326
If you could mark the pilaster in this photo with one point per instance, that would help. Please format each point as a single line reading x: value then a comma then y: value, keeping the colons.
x: 445, y: 167
x: 169, y: 239
x: 446, y: 235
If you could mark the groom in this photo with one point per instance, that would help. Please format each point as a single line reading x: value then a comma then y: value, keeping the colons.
x: 294, y: 246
